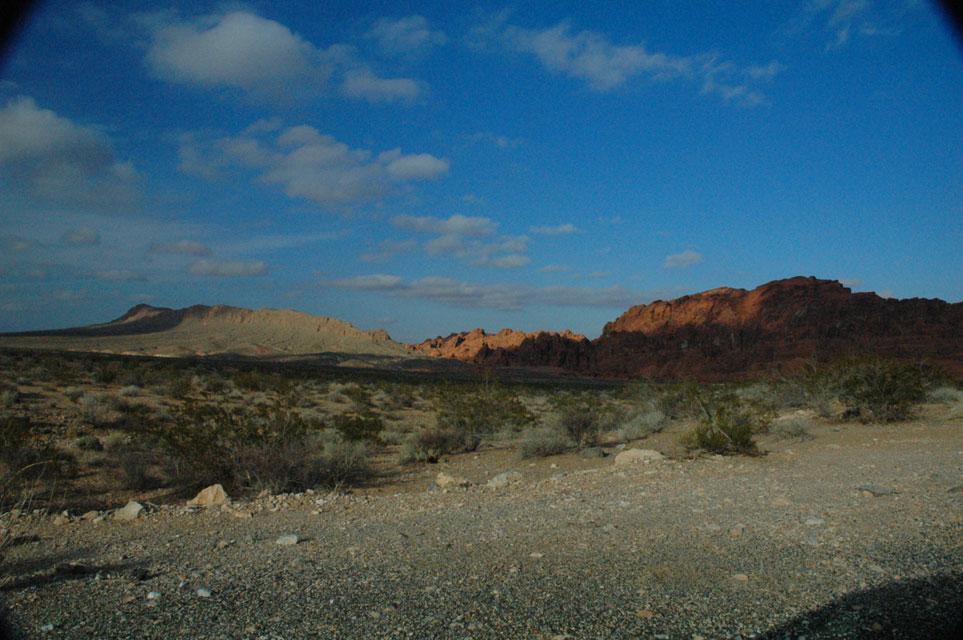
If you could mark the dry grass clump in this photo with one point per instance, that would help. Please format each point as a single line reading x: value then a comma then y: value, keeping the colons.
x: 792, y: 428
x: 542, y: 442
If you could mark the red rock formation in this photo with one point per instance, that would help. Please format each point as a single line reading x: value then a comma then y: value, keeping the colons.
x: 726, y: 334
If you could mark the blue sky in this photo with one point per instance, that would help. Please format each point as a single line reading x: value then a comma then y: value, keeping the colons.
x: 430, y: 167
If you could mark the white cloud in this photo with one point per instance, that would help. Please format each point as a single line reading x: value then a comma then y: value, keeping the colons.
x: 681, y: 260
x: 84, y: 237
x: 56, y: 160
x: 374, y: 282
x: 503, y: 297
x: 455, y: 225
x: 558, y: 230
x: 886, y: 293
x: 363, y: 83
x: 405, y: 36
x: 850, y: 282
x: 511, y: 261
x: 591, y: 57
x: 500, y: 141
x: 182, y: 247
x: 554, y: 268
x: 310, y: 165
x: 238, y: 49
x: 421, y: 166
x: 228, y: 269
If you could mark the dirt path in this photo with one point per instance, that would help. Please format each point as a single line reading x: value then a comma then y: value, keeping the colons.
x: 785, y: 545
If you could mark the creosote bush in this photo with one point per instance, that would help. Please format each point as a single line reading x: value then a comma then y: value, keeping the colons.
x: 429, y: 445
x: 869, y: 389
x: 727, y: 425
x: 541, y: 442
x: 359, y: 427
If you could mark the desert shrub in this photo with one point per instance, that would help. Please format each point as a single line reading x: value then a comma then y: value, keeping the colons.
x: 640, y: 422
x: 255, y: 380
x: 541, y: 442
x: 107, y: 372
x: 727, y: 425
x: 73, y: 393
x: 270, y: 447
x: 129, y: 391
x: 480, y: 410
x: 89, y: 443
x: 872, y: 389
x: 179, y: 388
x: 97, y: 410
x: 429, y: 445
x: 357, y: 427
x: 795, y: 427
x: 360, y: 395
x: 583, y: 416
x: 676, y: 400
x: 23, y: 458
x: 9, y: 396
x: 945, y: 394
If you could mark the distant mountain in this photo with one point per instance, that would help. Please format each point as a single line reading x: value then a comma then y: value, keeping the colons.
x: 733, y: 333
x: 219, y: 330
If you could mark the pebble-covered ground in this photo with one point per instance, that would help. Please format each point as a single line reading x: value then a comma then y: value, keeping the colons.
x: 856, y: 533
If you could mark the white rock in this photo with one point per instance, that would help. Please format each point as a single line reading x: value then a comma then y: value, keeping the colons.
x: 131, y: 511
x: 505, y: 478
x: 153, y: 595
x: 814, y: 522
x: 445, y: 481
x: 212, y: 496
x: 288, y: 540
x: 740, y: 577
x: 636, y: 456
x: 203, y: 593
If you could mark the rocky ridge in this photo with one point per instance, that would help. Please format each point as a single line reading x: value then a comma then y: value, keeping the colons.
x: 728, y: 333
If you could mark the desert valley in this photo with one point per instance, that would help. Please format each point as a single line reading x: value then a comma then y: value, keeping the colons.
x: 783, y: 462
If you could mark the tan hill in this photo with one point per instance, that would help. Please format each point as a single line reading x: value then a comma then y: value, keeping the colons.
x: 734, y: 333
x: 219, y: 330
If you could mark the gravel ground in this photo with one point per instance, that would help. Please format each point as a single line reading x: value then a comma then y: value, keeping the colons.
x: 781, y: 546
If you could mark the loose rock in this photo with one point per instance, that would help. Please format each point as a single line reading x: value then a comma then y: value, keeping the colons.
x: 505, y: 478
x: 131, y: 511
x: 212, y: 496
x: 636, y: 456
x: 288, y: 540
x: 445, y: 481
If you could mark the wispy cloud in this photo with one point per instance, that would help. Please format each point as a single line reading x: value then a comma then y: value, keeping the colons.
x: 503, y: 297
x: 228, y: 269
x: 557, y: 230
x: 468, y: 238
x: 593, y: 58
x: 843, y: 21
x: 83, y: 237
x: 681, y: 260
x: 182, y: 247
x: 119, y: 275
x: 387, y: 250
x: 408, y: 36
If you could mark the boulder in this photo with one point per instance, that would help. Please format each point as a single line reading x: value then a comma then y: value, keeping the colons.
x: 131, y: 511
x: 504, y: 478
x: 212, y: 496
x: 445, y: 481
x: 637, y: 456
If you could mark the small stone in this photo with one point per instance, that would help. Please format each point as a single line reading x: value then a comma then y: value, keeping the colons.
x: 782, y: 501
x: 504, y: 478
x: 212, y: 496
x: 644, y: 614
x: 536, y: 555
x: 737, y: 530
x: 47, y: 627
x: 445, y: 481
x: 60, y: 520
x: 203, y: 593
x: 637, y: 456
x: 90, y: 515
x: 594, y: 452
x: 872, y: 491
x: 814, y: 522
x: 221, y: 544
x: 288, y: 540
x: 740, y: 577
x: 153, y: 595
x: 131, y: 511
x: 242, y: 514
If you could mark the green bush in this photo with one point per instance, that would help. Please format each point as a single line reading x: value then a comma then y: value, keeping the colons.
x: 73, y: 393
x: 480, y: 410
x: 24, y: 458
x: 727, y: 425
x: 9, y: 396
x: 89, y: 443
x: 873, y: 389
x: 583, y: 416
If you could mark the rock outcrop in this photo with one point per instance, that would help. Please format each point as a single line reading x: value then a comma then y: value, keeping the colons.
x: 726, y: 334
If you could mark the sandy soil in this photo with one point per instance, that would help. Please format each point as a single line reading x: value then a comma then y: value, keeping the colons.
x: 855, y: 533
